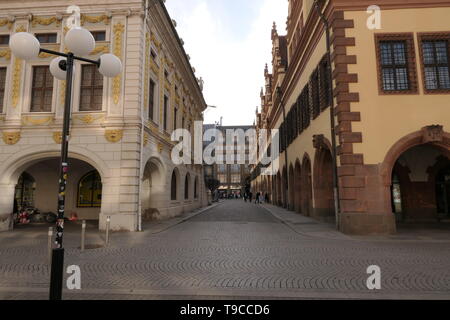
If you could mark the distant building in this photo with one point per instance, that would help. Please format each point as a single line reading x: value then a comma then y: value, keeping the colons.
x: 233, y: 177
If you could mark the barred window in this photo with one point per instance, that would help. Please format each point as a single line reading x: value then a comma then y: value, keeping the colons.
x: 42, y: 89
x: 91, y: 91
x: 2, y: 87
x: 324, y: 75
x: 394, y: 65
x: 306, y: 111
x: 315, y: 94
x: 436, y: 65
x: 299, y: 115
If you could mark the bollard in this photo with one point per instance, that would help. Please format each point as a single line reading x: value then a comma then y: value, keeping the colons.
x: 50, y: 244
x: 83, y: 234
x: 108, y: 222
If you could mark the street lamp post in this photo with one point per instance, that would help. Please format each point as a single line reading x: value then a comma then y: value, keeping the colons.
x: 80, y: 42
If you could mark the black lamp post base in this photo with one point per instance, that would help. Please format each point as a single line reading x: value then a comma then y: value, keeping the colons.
x: 56, y: 277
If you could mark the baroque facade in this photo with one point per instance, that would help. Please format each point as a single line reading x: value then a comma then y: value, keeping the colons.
x: 120, y: 164
x: 390, y: 107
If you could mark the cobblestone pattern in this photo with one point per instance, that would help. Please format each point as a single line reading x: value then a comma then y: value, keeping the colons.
x: 235, y: 246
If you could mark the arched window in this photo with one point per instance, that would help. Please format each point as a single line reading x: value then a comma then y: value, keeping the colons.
x: 196, y: 188
x: 173, y: 186
x: 90, y: 191
x: 186, y: 187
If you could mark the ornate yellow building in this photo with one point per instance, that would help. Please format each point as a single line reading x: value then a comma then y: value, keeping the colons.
x: 120, y: 142
x: 391, y: 101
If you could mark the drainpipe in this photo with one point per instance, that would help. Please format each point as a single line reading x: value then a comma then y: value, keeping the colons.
x: 142, y: 166
x: 326, y: 24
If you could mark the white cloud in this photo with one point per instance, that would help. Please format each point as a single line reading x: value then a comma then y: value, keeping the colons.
x: 232, y: 69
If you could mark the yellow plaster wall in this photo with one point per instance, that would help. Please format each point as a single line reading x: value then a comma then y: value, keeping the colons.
x: 387, y: 118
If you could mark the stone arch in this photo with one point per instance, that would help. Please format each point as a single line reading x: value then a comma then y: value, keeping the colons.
x: 306, y: 186
x: 12, y: 167
x: 414, y: 186
x: 82, y: 161
x: 297, y: 186
x: 442, y: 142
x: 323, y: 183
x: 291, y: 180
x: 153, y: 189
x: 284, y: 190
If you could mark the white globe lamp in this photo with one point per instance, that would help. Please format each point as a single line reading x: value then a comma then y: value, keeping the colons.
x: 56, y: 68
x: 24, y: 46
x: 80, y: 41
x: 110, y: 65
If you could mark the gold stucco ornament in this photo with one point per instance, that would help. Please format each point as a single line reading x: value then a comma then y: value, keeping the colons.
x: 11, y: 138
x: 57, y: 137
x: 113, y: 135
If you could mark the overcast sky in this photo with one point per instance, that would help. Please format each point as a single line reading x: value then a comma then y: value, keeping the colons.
x: 229, y: 43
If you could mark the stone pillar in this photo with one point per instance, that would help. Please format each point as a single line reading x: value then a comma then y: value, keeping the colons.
x: 6, y: 206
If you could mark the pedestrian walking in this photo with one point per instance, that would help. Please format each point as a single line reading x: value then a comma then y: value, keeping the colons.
x: 257, y: 197
x: 251, y: 196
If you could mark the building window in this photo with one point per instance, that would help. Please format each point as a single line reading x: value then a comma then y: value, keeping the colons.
x: 175, y: 117
x: 99, y: 35
x: 90, y: 191
x: 305, y: 108
x: 324, y: 81
x: 91, y: 91
x: 396, y: 62
x: 46, y: 37
x: 42, y: 89
x: 315, y: 94
x: 196, y: 188
x: 186, y: 187
x: 4, y: 39
x: 435, y: 51
x: 173, y: 187
x: 151, y: 102
x: 2, y: 87
x: 166, y: 107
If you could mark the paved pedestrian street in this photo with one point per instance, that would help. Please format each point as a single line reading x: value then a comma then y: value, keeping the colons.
x: 234, y: 250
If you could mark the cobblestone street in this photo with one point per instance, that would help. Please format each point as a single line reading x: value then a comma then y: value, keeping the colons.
x: 234, y: 250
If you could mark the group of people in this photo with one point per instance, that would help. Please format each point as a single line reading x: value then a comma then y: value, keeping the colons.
x: 259, y: 198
